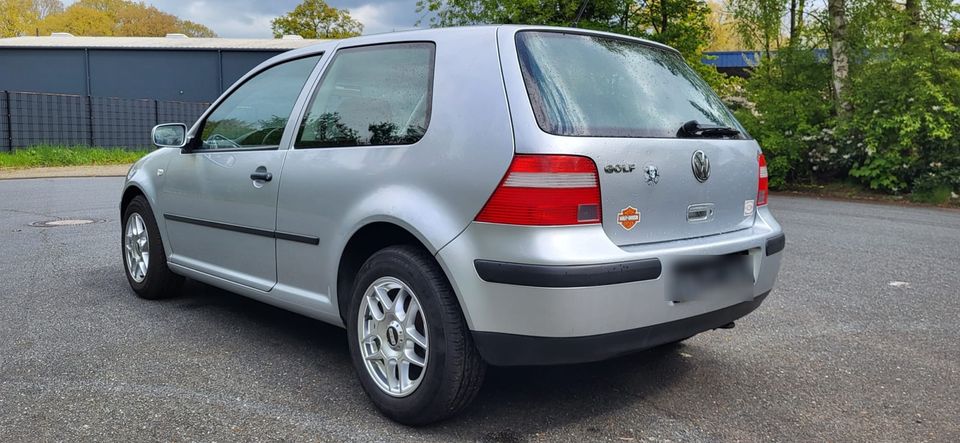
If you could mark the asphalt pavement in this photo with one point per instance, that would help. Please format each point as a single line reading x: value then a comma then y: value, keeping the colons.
x: 859, y: 341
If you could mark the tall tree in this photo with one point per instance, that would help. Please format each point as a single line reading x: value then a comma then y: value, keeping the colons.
x: 759, y: 22
x: 20, y: 17
x: 796, y: 21
x: 15, y: 17
x: 840, y: 64
x: 723, y: 33
x: 316, y: 19
x: 912, y: 9
x: 79, y: 20
x: 682, y: 24
x: 119, y: 18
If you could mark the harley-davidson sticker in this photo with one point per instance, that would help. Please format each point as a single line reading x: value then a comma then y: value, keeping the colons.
x: 628, y: 217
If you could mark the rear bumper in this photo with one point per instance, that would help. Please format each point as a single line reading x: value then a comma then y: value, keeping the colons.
x: 531, y: 283
x: 524, y: 350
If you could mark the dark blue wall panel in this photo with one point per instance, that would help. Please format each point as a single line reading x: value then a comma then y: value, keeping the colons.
x: 190, y: 76
x: 237, y: 63
x: 180, y: 75
x: 57, y: 71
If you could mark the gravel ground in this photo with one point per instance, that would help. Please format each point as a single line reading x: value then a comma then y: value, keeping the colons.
x: 858, y: 342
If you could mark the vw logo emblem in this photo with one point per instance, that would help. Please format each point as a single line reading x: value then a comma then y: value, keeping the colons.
x: 701, y: 166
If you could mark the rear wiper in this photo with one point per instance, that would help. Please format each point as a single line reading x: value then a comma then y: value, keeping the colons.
x: 693, y: 128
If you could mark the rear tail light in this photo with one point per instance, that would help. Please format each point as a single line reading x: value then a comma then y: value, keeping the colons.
x: 762, y: 186
x: 546, y: 190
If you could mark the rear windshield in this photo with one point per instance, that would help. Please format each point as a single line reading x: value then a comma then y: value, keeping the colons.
x: 587, y: 85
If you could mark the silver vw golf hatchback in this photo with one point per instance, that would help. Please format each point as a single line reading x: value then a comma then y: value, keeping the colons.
x: 505, y: 195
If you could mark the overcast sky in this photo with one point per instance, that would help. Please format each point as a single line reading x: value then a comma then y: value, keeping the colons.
x: 251, y: 18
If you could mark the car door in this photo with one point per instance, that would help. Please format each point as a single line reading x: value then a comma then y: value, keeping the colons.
x: 371, y: 104
x: 219, y: 197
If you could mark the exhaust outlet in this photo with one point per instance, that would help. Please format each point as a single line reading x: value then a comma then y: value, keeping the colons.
x: 730, y: 325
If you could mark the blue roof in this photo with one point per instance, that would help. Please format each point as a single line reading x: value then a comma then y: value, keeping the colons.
x: 746, y: 59
x: 732, y: 59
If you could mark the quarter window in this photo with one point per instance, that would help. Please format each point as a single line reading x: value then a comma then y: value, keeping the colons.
x: 255, y: 114
x: 371, y: 95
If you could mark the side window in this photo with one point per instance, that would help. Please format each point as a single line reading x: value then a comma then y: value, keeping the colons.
x: 372, y: 95
x: 255, y: 114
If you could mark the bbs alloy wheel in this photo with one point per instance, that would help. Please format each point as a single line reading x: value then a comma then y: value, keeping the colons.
x: 393, y: 336
x: 408, y: 339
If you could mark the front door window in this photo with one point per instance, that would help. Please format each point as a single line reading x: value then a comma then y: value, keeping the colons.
x: 255, y: 114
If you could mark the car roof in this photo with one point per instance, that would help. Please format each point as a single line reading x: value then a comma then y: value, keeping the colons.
x: 478, y: 31
x: 438, y: 33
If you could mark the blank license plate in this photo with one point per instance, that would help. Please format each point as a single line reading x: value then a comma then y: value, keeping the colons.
x: 696, y: 278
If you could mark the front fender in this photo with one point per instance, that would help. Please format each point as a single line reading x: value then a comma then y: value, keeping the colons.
x: 146, y: 177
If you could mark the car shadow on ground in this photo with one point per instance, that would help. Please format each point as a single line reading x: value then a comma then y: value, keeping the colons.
x: 517, y: 403
x: 289, y: 328
x: 514, y: 404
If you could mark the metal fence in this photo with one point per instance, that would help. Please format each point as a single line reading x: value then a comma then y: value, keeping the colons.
x: 30, y: 119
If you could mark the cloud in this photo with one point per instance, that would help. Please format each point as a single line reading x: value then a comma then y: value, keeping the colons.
x: 238, y: 19
x: 384, y: 16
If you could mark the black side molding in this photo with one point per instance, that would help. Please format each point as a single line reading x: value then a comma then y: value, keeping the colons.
x: 551, y: 276
x: 244, y: 229
x: 296, y: 238
x: 776, y: 244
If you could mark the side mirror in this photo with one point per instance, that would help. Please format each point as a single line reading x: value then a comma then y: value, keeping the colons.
x: 170, y: 135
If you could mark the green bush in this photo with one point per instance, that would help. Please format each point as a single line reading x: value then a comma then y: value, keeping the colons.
x: 906, y: 111
x: 896, y: 126
x: 789, y: 112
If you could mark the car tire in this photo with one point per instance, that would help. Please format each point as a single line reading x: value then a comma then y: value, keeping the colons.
x: 453, y: 371
x: 150, y: 278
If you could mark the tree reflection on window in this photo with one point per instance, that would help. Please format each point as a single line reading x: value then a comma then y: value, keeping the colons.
x: 373, y: 95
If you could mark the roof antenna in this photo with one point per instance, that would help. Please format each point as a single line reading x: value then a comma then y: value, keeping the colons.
x: 583, y: 8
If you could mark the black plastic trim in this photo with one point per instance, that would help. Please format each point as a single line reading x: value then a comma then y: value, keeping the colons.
x: 523, y: 350
x: 553, y: 276
x: 297, y: 238
x: 244, y: 229
x: 776, y: 244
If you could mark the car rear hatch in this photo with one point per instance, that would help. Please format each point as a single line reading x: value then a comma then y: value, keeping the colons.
x: 673, y: 162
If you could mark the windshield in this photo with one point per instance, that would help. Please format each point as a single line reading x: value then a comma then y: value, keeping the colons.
x: 587, y: 85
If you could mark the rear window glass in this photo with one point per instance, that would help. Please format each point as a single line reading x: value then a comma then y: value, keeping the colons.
x: 583, y: 85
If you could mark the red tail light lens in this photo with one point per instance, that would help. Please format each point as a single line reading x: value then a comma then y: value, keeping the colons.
x: 546, y: 190
x: 762, y: 186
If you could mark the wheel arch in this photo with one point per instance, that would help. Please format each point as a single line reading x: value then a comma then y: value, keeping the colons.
x: 129, y: 193
x: 364, y: 242
x: 140, y: 183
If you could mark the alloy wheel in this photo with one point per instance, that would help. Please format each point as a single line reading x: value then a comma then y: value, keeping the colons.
x: 136, y: 247
x: 393, y: 339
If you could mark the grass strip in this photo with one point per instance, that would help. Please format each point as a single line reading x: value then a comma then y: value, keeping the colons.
x: 49, y: 156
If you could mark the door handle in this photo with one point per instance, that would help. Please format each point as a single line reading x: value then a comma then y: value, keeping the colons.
x: 261, y: 174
